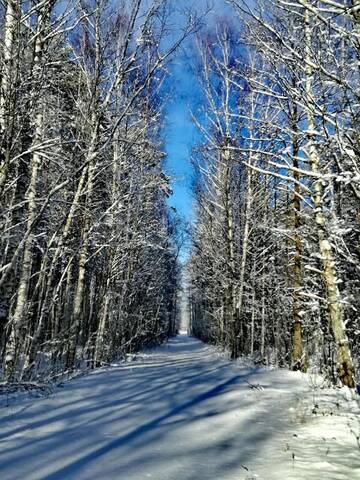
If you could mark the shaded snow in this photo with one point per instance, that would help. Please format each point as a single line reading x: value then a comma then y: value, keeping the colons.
x: 182, y: 412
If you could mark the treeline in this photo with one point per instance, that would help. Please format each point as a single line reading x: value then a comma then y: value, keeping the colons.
x: 275, y: 266
x: 88, y: 247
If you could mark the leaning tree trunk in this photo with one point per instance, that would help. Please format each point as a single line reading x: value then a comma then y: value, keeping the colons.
x: 345, y: 366
x: 47, y: 276
x: 83, y: 257
x: 101, y: 331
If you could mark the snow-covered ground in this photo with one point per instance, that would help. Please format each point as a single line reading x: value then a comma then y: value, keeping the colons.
x: 182, y: 412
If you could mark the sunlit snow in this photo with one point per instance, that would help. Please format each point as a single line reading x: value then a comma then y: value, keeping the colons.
x: 183, y: 412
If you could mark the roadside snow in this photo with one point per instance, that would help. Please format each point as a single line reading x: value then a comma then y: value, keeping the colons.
x: 182, y: 412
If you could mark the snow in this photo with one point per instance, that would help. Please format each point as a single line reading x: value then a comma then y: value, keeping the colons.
x: 183, y: 412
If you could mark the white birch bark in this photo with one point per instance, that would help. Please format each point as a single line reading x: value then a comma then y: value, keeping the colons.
x: 7, y: 74
x: 345, y: 366
x: 17, y: 324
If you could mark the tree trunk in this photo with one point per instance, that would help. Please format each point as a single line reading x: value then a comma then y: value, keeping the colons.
x: 244, y: 252
x: 345, y: 366
x: 8, y: 75
x: 18, y: 327
x: 227, y: 201
x: 80, y: 286
x: 297, y: 355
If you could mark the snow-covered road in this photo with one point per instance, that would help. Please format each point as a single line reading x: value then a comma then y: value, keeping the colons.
x: 182, y: 412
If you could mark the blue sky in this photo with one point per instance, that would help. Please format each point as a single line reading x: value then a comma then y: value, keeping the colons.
x: 180, y: 135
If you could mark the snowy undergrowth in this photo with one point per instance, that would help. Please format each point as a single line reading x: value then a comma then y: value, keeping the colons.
x: 184, y: 412
x: 13, y: 394
x: 325, y: 442
x: 45, y: 383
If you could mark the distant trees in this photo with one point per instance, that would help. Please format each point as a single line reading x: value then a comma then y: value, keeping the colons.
x: 291, y: 93
x: 88, y: 250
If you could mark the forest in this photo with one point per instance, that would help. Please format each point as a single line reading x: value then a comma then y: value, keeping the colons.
x: 179, y: 239
x: 88, y: 246
x: 90, y: 249
x: 274, y: 268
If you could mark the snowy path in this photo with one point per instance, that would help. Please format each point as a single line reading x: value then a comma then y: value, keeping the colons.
x: 179, y: 413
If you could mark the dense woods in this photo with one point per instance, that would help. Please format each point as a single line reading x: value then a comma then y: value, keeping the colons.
x: 88, y: 246
x: 274, y: 271
x: 179, y: 239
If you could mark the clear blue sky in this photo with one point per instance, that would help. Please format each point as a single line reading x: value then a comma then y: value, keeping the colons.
x: 180, y: 135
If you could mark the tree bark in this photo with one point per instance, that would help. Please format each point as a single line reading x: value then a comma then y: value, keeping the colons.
x: 17, y: 326
x: 6, y: 88
x: 345, y: 367
x: 297, y: 354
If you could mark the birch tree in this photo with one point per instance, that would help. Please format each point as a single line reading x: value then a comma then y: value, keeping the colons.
x: 89, y: 266
x: 298, y: 138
